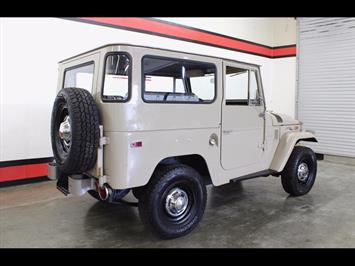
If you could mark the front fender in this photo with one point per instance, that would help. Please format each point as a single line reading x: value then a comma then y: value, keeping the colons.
x: 285, y: 147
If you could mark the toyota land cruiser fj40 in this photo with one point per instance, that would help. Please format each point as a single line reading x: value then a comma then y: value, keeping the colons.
x: 164, y: 124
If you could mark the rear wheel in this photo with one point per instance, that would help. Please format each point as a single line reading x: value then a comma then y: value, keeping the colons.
x: 173, y: 201
x: 300, y: 172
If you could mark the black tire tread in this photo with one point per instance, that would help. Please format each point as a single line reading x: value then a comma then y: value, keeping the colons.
x: 291, y: 167
x: 85, y: 130
x: 158, y: 180
x: 143, y: 205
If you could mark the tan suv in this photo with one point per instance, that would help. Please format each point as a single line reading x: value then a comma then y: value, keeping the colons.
x: 165, y: 124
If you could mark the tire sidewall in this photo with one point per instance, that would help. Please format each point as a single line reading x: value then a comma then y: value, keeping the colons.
x: 84, y: 123
x: 61, y: 99
x: 304, y: 155
x: 155, y: 200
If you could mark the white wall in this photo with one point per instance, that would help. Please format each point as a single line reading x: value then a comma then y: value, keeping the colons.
x: 283, y: 94
x: 31, y: 47
x: 273, y: 32
x: 268, y: 31
x: 284, y: 31
x: 257, y: 30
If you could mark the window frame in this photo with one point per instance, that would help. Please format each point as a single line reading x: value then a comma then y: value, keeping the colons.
x: 246, y: 102
x: 129, y: 78
x: 88, y: 63
x: 177, y: 60
x: 258, y: 88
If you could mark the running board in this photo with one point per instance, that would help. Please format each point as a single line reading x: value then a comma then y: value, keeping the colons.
x: 263, y: 173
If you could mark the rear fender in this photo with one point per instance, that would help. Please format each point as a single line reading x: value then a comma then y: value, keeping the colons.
x: 285, y: 147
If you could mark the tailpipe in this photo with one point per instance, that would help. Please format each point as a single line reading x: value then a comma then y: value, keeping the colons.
x: 106, y: 193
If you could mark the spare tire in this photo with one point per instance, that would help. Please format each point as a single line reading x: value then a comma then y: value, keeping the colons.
x: 75, y: 130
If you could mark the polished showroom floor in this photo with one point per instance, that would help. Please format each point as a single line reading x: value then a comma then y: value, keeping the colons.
x: 251, y: 213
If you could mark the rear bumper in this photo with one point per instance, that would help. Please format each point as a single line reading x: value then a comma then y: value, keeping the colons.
x: 52, y: 171
x: 76, y: 185
x: 80, y: 184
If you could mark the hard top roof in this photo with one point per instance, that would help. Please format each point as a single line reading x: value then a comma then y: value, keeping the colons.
x: 150, y: 47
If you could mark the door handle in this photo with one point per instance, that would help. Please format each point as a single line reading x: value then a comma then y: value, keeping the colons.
x: 262, y: 114
x: 213, y: 141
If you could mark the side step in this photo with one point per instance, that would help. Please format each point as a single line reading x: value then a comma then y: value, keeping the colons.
x: 263, y: 173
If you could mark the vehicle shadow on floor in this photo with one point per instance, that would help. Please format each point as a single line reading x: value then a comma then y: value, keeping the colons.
x: 118, y: 225
x: 225, y: 194
x: 229, y: 206
x: 112, y: 224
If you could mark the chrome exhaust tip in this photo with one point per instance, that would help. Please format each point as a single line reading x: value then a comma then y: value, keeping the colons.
x: 104, y: 192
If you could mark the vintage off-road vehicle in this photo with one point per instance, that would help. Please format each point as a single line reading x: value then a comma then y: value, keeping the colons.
x: 165, y: 124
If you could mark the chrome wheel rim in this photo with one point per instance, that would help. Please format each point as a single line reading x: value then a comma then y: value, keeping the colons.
x: 65, y: 133
x: 176, y: 202
x: 302, y: 172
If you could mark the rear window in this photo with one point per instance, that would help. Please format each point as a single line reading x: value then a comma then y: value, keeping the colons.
x: 180, y: 81
x: 81, y: 76
x: 116, y: 78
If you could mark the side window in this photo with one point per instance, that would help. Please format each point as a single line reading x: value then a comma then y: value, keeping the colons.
x: 241, y: 87
x: 116, y: 78
x: 79, y: 77
x: 179, y: 86
x: 176, y: 80
x: 236, y: 86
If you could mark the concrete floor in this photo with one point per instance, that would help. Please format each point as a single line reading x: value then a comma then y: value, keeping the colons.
x: 252, y: 213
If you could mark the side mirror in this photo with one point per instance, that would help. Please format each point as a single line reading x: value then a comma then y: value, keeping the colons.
x: 256, y: 102
x: 261, y: 101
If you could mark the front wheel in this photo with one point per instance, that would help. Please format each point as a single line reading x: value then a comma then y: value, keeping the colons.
x: 173, y: 201
x: 300, y: 172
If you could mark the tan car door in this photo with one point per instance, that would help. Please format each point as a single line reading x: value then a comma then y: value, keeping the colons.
x: 242, y: 135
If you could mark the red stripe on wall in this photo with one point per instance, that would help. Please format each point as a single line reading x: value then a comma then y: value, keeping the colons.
x: 286, y: 51
x: 181, y: 32
x: 20, y: 172
x: 167, y: 29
